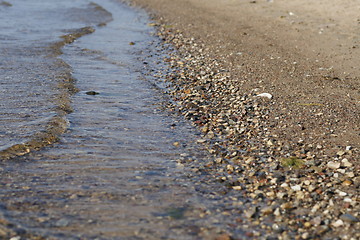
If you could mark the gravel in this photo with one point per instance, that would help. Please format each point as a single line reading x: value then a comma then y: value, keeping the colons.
x: 291, y: 189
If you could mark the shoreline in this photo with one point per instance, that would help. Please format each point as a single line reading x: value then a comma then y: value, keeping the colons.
x: 293, y: 155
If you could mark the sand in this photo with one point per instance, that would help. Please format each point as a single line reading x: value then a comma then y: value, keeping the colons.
x: 304, y: 54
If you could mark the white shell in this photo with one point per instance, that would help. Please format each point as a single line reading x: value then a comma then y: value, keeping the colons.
x: 267, y: 95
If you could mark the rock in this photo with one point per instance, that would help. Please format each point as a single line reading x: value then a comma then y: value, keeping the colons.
x: 338, y: 223
x: 346, y: 163
x: 316, y: 221
x: 296, y: 188
x: 267, y: 210
x: 92, y: 93
x: 62, y: 223
x: 223, y: 236
x: 277, y: 212
x: 250, y: 212
x: 340, y: 153
x: 333, y: 165
x: 266, y: 95
x: 346, y: 183
x: 341, y: 193
x: 347, y: 217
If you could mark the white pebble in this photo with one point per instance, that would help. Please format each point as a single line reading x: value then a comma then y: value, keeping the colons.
x: 338, y: 223
x: 267, y: 95
x: 341, y: 193
x: 296, y: 188
x: 333, y: 165
x: 15, y: 238
x: 346, y: 163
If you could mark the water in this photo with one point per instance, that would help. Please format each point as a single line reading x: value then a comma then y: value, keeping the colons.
x: 107, y: 165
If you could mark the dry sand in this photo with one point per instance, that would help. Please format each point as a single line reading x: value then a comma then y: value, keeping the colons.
x: 299, y: 51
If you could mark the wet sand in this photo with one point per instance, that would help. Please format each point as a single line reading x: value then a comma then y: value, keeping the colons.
x: 294, y: 156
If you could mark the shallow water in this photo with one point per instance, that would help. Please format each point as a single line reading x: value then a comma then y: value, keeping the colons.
x: 113, y: 174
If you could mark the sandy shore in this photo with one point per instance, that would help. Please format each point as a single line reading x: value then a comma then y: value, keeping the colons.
x: 274, y: 87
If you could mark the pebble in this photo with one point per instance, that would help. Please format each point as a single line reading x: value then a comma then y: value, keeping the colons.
x: 62, y: 223
x: 92, y: 93
x: 347, y: 217
x: 340, y: 153
x: 267, y: 210
x: 346, y: 163
x: 265, y: 95
x: 338, y: 223
x: 341, y: 193
x: 333, y: 165
x: 296, y: 188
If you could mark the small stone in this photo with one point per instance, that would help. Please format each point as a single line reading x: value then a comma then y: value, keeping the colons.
x: 277, y: 212
x: 346, y: 183
x: 15, y: 238
x: 250, y: 212
x: 347, y: 217
x: 307, y: 224
x: 341, y: 193
x: 305, y: 235
x: 266, y: 95
x: 62, y: 223
x: 280, y: 195
x: 340, y: 153
x: 346, y: 163
x: 338, y: 223
x: 223, y: 236
x: 176, y: 144
x: 333, y: 165
x: 311, y: 188
x: 296, y: 188
x: 218, y: 160
x: 286, y: 205
x: 316, y: 221
x: 92, y: 93
x: 267, y: 210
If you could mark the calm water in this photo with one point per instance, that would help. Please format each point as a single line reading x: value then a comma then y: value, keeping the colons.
x: 113, y: 173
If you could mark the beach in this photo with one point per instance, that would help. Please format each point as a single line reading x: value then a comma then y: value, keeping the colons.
x: 186, y: 119
x: 274, y: 87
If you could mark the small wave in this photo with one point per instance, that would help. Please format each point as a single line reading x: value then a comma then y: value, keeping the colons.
x: 66, y: 88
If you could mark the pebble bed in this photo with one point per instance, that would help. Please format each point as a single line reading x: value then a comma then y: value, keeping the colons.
x: 290, y: 190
